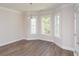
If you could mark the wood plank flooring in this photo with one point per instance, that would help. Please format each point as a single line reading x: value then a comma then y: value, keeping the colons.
x: 33, y: 48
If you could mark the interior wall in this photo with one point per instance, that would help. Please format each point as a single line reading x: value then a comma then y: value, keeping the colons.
x: 11, y: 26
x: 67, y: 27
x: 15, y: 26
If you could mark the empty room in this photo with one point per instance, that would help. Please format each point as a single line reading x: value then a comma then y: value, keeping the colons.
x: 39, y: 29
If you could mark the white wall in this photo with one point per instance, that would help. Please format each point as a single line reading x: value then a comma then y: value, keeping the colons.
x: 66, y: 12
x: 16, y: 26
x: 67, y: 27
x: 11, y: 26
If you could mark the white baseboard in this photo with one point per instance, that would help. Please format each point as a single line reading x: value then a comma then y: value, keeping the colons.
x: 60, y: 45
x: 68, y: 48
x: 32, y: 38
x: 64, y: 47
x: 9, y: 42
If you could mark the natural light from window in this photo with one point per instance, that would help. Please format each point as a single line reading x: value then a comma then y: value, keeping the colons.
x: 57, y: 26
x: 33, y: 25
x: 46, y: 25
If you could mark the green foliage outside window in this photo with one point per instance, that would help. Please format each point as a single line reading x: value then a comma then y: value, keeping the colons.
x: 46, y: 24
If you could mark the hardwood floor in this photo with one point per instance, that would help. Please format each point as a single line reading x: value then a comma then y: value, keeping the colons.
x: 33, y: 48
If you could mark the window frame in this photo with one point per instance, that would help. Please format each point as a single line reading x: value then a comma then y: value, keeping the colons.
x: 49, y: 24
x: 31, y: 24
x: 57, y: 33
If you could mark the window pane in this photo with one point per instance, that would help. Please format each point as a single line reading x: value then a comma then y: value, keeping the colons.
x: 33, y: 25
x: 46, y: 25
x: 57, y: 26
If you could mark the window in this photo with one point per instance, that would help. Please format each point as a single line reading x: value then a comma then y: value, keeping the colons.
x: 33, y: 25
x: 46, y: 25
x: 57, y: 26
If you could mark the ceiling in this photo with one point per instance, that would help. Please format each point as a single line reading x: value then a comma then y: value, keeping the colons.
x: 29, y: 6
